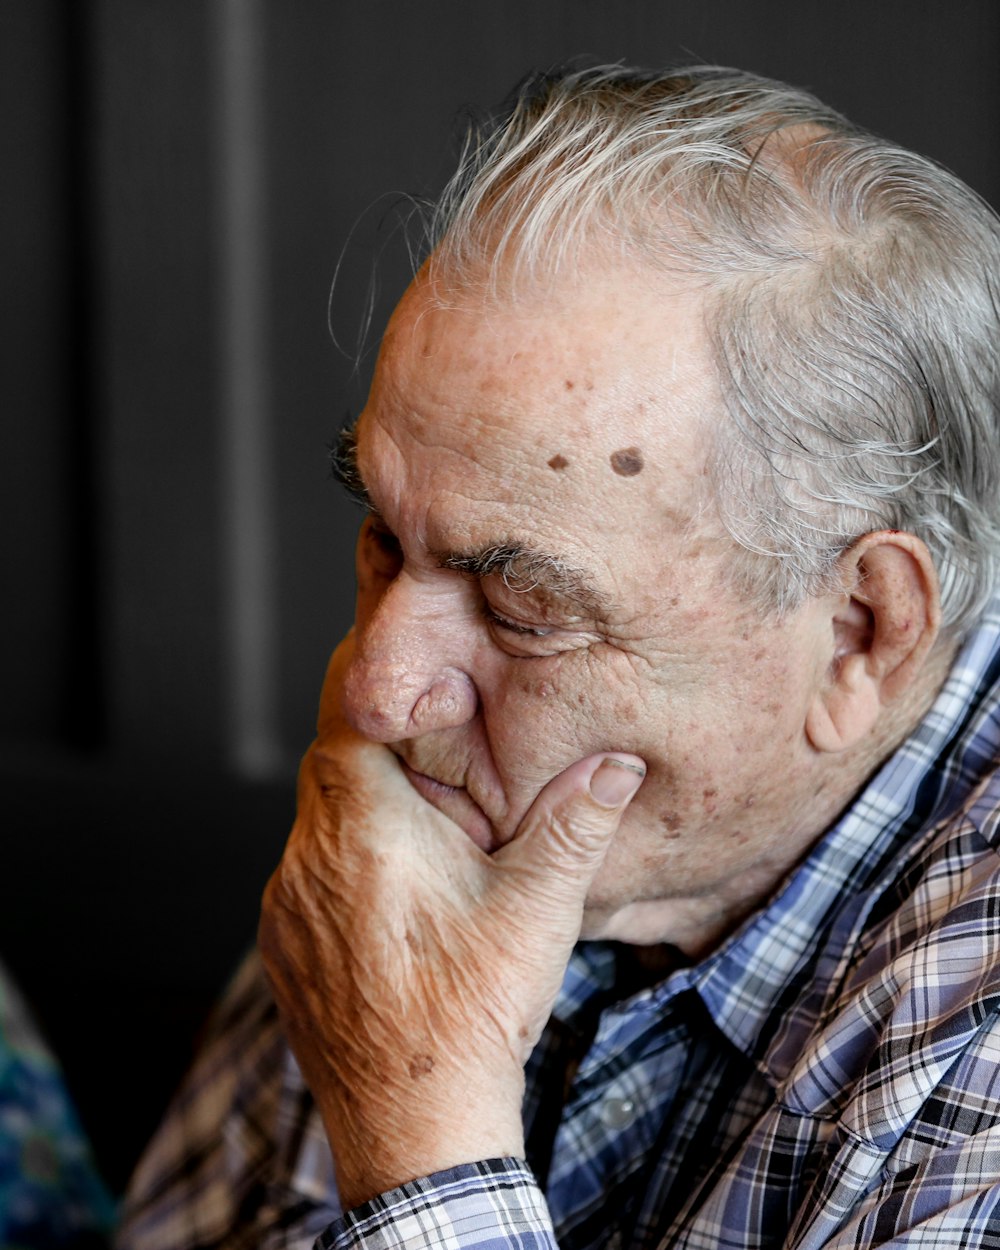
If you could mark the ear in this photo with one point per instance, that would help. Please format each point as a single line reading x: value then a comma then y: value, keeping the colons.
x: 884, y: 628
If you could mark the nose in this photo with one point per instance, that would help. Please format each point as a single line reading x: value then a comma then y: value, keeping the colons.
x: 405, y: 677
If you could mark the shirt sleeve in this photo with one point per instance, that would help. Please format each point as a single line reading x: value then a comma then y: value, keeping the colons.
x: 240, y: 1161
x: 492, y: 1205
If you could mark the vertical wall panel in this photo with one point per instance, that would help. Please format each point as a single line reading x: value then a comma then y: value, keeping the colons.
x: 160, y: 383
x: 37, y: 306
x: 249, y: 643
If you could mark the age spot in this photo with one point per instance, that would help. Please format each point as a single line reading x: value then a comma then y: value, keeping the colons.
x: 420, y: 1066
x: 627, y: 461
x: 558, y: 462
x: 671, y: 822
x: 627, y: 712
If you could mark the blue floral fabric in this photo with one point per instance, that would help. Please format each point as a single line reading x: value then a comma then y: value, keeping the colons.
x: 50, y: 1192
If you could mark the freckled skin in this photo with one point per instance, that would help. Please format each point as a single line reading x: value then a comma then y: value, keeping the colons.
x: 445, y: 448
x: 627, y: 712
x: 448, y: 848
x: 671, y: 823
x: 627, y: 462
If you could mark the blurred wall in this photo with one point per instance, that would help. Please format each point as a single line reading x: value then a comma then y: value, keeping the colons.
x: 182, y: 178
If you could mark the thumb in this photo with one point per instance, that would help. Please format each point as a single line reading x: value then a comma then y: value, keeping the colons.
x: 569, y: 827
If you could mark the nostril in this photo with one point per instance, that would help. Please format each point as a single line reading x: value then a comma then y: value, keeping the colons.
x: 433, y: 706
x: 389, y: 702
x: 451, y: 699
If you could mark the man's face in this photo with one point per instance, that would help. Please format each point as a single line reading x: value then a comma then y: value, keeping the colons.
x: 543, y: 580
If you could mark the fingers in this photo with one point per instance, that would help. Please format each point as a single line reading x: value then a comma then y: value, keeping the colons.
x: 615, y: 780
x: 569, y: 827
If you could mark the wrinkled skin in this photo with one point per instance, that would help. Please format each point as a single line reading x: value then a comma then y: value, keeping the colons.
x: 496, y: 688
x: 413, y: 971
x: 446, y: 853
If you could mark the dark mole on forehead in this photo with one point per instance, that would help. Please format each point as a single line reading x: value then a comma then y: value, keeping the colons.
x: 627, y: 461
x: 558, y: 462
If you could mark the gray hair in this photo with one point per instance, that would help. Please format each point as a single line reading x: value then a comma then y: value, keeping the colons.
x: 849, y: 293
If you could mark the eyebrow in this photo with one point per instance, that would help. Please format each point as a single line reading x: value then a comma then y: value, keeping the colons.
x: 523, y: 569
x: 344, y: 467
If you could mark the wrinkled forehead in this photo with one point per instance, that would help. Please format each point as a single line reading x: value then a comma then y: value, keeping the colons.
x: 585, y: 406
x: 610, y: 343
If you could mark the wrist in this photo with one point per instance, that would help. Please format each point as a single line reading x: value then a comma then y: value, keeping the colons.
x: 375, y: 1153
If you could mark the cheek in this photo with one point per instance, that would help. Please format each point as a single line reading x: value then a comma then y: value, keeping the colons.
x: 545, y: 716
x: 538, y: 719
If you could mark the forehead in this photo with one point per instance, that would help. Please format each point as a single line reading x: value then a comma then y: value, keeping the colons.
x: 609, y: 353
x: 579, y: 412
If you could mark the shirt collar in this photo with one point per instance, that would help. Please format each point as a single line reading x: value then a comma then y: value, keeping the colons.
x: 750, y: 978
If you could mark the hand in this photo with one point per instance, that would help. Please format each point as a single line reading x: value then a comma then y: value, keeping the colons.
x: 413, y: 972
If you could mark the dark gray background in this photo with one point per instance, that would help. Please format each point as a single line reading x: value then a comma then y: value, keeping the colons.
x: 180, y: 178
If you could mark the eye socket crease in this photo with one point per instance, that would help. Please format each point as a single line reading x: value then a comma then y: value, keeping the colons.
x: 522, y: 569
x: 525, y: 570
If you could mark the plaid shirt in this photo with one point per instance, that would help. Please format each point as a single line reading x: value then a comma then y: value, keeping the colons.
x: 829, y: 1076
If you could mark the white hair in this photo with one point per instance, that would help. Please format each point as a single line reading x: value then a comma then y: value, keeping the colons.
x: 850, y: 297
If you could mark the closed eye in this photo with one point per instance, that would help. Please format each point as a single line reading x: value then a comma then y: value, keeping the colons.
x: 513, y: 627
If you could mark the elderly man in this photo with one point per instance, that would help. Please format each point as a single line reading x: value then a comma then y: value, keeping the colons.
x: 673, y: 635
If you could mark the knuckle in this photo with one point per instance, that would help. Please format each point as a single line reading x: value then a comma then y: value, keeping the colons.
x: 579, y: 828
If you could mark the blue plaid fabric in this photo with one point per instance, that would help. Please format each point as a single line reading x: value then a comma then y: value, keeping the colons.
x: 829, y: 1077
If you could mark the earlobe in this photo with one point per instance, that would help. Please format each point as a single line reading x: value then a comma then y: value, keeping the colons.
x: 882, y: 631
x: 846, y: 710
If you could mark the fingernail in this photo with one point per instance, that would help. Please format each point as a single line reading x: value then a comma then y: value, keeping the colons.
x: 614, y: 781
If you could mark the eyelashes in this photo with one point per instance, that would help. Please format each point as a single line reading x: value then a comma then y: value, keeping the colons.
x: 512, y: 627
x: 383, y: 557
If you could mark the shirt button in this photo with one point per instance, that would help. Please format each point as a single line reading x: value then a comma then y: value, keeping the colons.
x: 617, y: 1113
